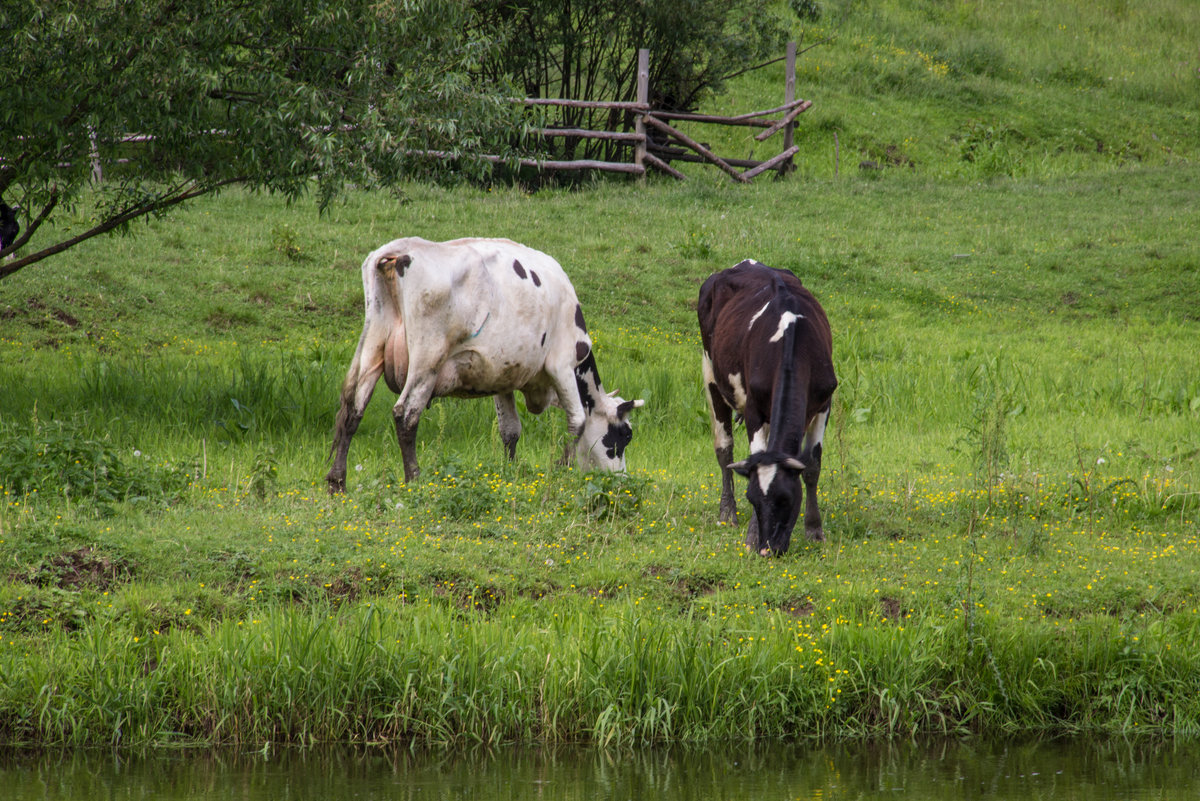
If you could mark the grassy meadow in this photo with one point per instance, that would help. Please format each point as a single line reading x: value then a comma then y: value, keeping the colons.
x: 1012, y: 471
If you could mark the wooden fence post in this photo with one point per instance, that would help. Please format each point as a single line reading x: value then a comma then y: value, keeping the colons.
x: 789, y: 94
x: 643, y: 95
x: 94, y: 154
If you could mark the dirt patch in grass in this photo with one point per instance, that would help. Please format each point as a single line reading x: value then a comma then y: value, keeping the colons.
x: 798, y: 607
x: 82, y: 568
x: 891, y: 608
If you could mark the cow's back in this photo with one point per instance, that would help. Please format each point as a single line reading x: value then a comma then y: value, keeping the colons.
x: 738, y: 310
x: 496, y: 311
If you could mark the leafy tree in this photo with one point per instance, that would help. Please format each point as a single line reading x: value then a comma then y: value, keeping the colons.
x: 272, y: 94
x: 587, y: 50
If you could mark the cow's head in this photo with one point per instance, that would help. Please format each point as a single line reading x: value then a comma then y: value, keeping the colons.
x: 775, y: 492
x: 606, y: 432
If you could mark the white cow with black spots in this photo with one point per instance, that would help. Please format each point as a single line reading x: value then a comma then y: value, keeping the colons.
x: 470, y: 318
x: 768, y: 357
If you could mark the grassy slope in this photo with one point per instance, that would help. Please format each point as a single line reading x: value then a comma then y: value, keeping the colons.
x: 974, y: 90
x: 1013, y: 458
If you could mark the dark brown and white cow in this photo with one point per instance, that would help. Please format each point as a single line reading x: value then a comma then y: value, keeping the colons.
x: 768, y: 357
x: 470, y: 318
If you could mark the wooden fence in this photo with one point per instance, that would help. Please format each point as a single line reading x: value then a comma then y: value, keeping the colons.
x: 653, y: 142
x: 656, y: 143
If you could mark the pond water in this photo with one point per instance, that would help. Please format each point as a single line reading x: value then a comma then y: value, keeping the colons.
x: 1046, y: 771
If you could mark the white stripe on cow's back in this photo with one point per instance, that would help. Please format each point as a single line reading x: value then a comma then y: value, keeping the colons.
x: 785, y: 320
x: 758, y: 314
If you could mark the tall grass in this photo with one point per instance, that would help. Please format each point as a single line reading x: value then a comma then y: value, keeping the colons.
x: 392, y: 674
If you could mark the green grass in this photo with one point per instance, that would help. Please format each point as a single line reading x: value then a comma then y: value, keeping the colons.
x: 1011, y: 486
x: 978, y: 90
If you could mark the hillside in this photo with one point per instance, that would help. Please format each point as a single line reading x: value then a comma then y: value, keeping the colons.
x: 974, y: 90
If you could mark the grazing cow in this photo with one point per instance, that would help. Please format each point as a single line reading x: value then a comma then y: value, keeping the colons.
x: 470, y: 318
x: 768, y: 357
x: 9, y: 227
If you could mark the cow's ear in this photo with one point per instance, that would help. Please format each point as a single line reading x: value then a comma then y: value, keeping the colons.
x: 625, y: 407
x: 742, y: 468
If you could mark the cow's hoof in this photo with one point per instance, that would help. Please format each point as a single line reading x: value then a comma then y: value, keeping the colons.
x: 815, y: 534
x: 337, y: 486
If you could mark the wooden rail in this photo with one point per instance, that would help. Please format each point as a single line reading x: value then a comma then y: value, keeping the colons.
x: 671, y: 144
x: 658, y: 152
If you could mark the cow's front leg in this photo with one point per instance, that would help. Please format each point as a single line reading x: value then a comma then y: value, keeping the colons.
x: 752, y: 539
x: 509, y: 422
x: 564, y: 386
x: 758, y: 432
x: 812, y: 473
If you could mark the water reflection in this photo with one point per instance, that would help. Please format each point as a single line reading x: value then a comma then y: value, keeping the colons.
x: 1053, y: 771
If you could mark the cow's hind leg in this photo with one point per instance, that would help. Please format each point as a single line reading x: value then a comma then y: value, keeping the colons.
x: 509, y: 422
x: 812, y: 473
x: 418, y: 392
x: 360, y: 382
x: 721, y: 418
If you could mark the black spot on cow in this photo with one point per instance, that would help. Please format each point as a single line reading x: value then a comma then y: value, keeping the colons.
x: 399, y: 264
x: 518, y: 269
x: 579, y: 319
x: 584, y: 382
x: 543, y: 339
x: 536, y: 281
x: 582, y: 349
x: 585, y: 394
x: 614, y: 441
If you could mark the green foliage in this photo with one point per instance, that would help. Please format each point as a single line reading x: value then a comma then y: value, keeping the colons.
x: 461, y: 498
x: 986, y: 432
x: 806, y: 10
x: 612, y: 495
x: 349, y: 92
x: 994, y: 150
x: 264, y: 474
x: 284, y: 241
x: 588, y: 51
x: 61, y: 459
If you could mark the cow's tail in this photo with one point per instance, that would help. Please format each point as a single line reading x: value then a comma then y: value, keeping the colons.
x: 383, y: 274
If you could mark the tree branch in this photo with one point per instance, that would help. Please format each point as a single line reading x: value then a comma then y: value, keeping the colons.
x: 8, y: 268
x: 817, y: 43
x: 20, y: 241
